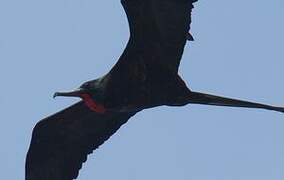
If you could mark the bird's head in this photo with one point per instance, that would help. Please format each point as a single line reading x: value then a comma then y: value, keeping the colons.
x: 90, y: 92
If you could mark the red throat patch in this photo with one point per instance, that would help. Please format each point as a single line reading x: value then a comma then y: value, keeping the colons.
x: 99, y: 108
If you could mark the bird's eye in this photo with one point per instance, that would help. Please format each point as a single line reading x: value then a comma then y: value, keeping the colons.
x: 86, y: 85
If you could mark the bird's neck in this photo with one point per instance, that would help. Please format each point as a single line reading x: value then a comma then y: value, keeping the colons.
x: 92, y: 104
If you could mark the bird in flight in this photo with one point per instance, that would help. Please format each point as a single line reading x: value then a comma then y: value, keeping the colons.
x: 145, y: 76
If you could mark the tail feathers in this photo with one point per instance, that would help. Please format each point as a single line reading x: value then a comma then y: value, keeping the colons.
x: 208, y: 99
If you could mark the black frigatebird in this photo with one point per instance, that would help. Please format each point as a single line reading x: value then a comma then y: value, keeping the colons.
x: 145, y: 76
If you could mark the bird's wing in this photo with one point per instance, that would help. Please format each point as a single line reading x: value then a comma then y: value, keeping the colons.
x: 61, y: 142
x: 158, y: 32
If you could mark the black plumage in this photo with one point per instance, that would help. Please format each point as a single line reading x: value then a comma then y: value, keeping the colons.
x: 61, y: 142
x: 145, y: 76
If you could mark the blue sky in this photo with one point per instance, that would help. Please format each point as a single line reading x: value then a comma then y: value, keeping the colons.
x: 53, y: 45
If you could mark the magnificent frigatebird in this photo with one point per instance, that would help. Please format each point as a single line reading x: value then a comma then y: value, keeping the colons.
x: 145, y: 76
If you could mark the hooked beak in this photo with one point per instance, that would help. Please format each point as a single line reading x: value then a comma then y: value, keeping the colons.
x: 75, y: 93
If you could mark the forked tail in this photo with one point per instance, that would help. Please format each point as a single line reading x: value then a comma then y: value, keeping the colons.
x: 208, y: 99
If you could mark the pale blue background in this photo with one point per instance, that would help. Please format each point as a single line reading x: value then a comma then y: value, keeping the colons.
x: 53, y: 45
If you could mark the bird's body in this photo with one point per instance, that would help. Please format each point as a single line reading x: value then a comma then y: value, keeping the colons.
x: 144, y: 93
x: 145, y: 76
